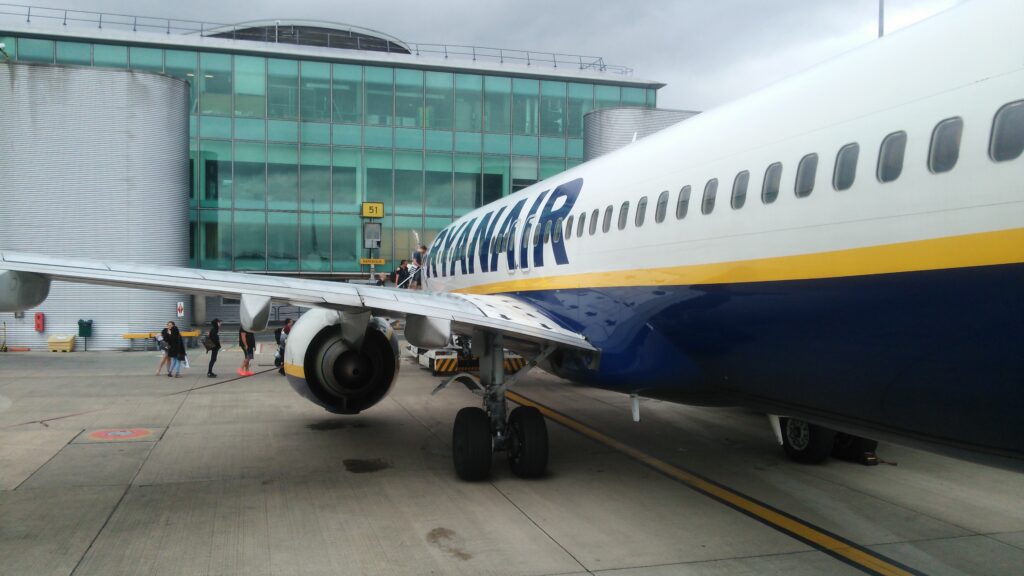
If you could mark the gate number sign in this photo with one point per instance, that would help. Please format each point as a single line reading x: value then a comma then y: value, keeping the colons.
x: 373, y: 209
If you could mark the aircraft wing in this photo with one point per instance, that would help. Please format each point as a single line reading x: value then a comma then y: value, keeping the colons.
x: 522, y: 324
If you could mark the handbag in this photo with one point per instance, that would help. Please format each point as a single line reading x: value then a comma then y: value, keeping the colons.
x: 208, y: 343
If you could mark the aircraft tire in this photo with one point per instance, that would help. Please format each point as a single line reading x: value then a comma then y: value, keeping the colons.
x: 471, y: 444
x: 528, y: 442
x: 805, y: 442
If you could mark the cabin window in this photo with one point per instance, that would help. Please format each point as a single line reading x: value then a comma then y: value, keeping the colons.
x: 556, y: 234
x: 568, y: 227
x: 772, y: 183
x: 846, y: 167
x: 547, y: 232
x: 641, y: 212
x: 739, y: 190
x: 536, y: 234
x: 580, y: 225
x: 707, y: 205
x: 510, y: 240
x: 890, y: 156
x: 607, y: 224
x: 593, y: 221
x: 525, y: 243
x: 623, y: 215
x: 1008, y: 132
x: 806, y: 172
x: 662, y: 207
x: 683, y: 202
x: 945, y: 147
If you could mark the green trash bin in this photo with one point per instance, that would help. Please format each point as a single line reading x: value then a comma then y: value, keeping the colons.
x: 84, y: 328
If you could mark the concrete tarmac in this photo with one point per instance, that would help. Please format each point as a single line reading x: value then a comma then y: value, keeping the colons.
x: 106, y: 469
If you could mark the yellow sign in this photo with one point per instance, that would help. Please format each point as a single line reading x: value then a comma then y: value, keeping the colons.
x: 373, y: 209
x: 368, y: 261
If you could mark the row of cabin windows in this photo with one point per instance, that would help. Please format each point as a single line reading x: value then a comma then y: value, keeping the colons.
x: 1006, y: 143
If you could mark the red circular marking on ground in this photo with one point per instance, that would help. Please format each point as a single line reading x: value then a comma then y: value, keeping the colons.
x: 120, y: 433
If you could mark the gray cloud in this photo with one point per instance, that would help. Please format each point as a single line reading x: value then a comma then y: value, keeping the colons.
x: 707, y: 52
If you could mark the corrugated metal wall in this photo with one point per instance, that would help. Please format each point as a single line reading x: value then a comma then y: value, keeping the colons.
x: 94, y: 163
x: 609, y: 129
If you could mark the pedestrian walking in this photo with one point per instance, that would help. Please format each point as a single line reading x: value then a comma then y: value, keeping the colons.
x: 401, y: 274
x: 213, y: 346
x: 175, y: 349
x: 247, y: 341
x: 165, y: 359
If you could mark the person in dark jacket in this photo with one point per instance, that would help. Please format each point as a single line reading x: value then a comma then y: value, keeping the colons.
x: 247, y: 341
x: 214, y: 337
x: 175, y: 349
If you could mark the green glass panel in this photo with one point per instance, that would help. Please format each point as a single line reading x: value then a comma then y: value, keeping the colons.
x: 193, y: 126
x: 250, y: 86
x: 35, y: 50
x: 193, y: 238
x: 574, y: 148
x: 496, y: 144
x: 525, y: 102
x: 408, y: 231
x: 525, y: 145
x: 380, y: 96
x: 347, y: 135
x: 11, y: 44
x: 552, y: 108
x: 409, y: 138
x: 110, y: 56
x: 315, y: 179
x: 282, y: 89
x: 73, y: 53
x: 346, y: 244
x: 283, y: 241
x: 215, y: 83
x: 524, y: 173
x: 250, y: 175
x: 632, y: 96
x: 250, y: 129
x: 440, y: 100
x: 346, y: 178
x: 316, y: 133
x: 377, y: 137
x: 495, y: 178
x: 282, y: 177
x: 551, y: 166
x: 282, y: 131
x: 572, y: 163
x: 409, y: 182
x: 652, y: 98
x: 348, y: 93
x: 151, y: 59
x: 250, y: 244
x: 432, y: 227
x: 181, y: 64
x: 468, y: 142
x: 497, y: 104
x: 215, y: 173
x: 581, y: 101
x: 378, y: 178
x: 468, y: 102
x: 386, y: 245
x: 606, y: 96
x: 438, y: 185
x: 466, y: 191
x: 552, y: 147
x: 408, y: 98
x: 315, y: 242
x: 315, y: 97
x: 215, y: 127
x: 193, y: 166
x: 214, y: 239
x: 438, y: 140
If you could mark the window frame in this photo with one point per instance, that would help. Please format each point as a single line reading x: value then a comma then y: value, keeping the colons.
x: 581, y: 224
x: 882, y: 151
x: 776, y: 183
x: 683, y: 202
x: 661, y: 208
x: 606, y: 222
x: 745, y: 175
x: 707, y: 201
x: 808, y: 159
x: 641, y: 212
x: 959, y: 123
x: 994, y: 131
x: 594, y: 220
x: 568, y: 227
x: 840, y: 155
x: 623, y: 215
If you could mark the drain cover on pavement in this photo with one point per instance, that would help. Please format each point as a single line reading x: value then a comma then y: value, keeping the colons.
x: 114, y: 434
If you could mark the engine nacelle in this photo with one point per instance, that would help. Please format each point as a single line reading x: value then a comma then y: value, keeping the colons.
x: 332, y: 363
x: 20, y: 291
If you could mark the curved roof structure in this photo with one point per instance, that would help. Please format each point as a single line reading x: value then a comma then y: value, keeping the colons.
x: 307, y: 33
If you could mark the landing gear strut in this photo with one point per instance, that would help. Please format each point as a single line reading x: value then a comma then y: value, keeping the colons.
x: 480, y: 432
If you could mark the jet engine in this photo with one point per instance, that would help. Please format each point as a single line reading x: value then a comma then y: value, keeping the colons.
x: 345, y: 362
x: 20, y: 291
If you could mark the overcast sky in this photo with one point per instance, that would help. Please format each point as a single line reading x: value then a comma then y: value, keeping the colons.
x: 706, y: 51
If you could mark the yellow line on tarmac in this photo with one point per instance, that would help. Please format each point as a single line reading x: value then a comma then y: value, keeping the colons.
x: 831, y: 544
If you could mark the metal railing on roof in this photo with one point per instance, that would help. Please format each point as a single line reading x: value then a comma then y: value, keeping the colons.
x: 348, y: 37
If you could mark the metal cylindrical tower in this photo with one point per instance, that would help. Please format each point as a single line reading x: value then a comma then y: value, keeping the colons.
x: 609, y: 129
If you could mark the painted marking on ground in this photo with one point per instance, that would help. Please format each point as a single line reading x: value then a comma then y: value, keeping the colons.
x: 120, y: 434
x: 832, y: 544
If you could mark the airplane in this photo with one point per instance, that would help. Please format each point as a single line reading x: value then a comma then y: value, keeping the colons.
x: 842, y: 250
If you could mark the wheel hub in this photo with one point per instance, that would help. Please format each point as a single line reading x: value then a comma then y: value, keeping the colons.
x: 798, y: 433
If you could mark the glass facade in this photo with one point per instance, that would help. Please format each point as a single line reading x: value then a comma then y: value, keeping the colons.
x: 284, y: 150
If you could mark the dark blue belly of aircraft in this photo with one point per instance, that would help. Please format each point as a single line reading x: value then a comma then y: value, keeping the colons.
x: 936, y: 354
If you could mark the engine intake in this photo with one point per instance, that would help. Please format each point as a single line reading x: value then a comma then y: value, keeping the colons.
x: 329, y: 369
x: 20, y: 291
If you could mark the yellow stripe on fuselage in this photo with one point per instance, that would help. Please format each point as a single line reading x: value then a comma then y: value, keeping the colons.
x: 296, y: 371
x: 982, y: 249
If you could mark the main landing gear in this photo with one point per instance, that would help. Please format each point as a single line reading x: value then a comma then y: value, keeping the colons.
x: 480, y: 432
x: 812, y: 444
